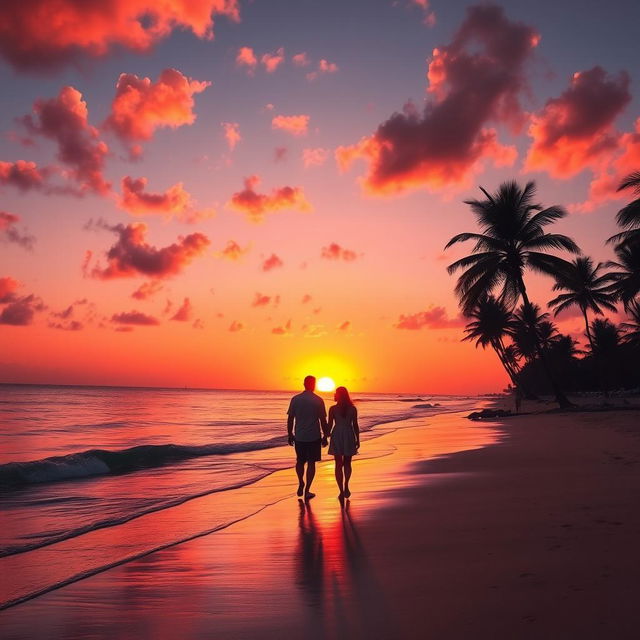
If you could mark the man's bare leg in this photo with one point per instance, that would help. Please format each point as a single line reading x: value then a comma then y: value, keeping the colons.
x: 311, y: 473
x: 300, y: 473
x: 347, y: 476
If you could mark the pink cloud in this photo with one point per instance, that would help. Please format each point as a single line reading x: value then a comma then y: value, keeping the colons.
x: 301, y: 59
x: 8, y: 287
x: 21, y: 174
x: 280, y: 153
x: 175, y: 202
x: 64, y: 120
x: 233, y: 251
x: 296, y: 125
x: 231, y: 134
x: 20, y: 312
x: 132, y: 255
x: 141, y: 106
x: 39, y: 34
x: 236, y: 326
x: 575, y: 131
x: 147, y: 290
x: 134, y: 318
x: 335, y: 252
x: 246, y: 57
x: 184, y: 313
x: 314, y: 157
x: 261, y: 300
x: 324, y: 66
x: 272, y: 262
x: 10, y: 233
x: 256, y: 205
x: 272, y: 61
x: 474, y: 80
x: 433, y: 318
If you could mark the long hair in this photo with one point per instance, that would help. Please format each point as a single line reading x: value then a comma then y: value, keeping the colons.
x: 343, y: 400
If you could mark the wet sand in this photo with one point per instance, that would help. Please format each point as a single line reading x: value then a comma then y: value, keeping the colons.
x: 535, y: 536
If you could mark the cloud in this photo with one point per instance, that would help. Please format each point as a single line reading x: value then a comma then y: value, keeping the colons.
x: 20, y: 312
x: 324, y: 66
x: 141, y: 106
x: 233, y: 251
x: 272, y: 61
x: 314, y: 157
x: 256, y: 205
x: 72, y: 325
x: 41, y: 35
x: 301, y: 59
x: 147, y: 290
x: 134, y: 318
x: 175, y: 202
x: 236, y: 326
x: 314, y: 331
x: 272, y: 262
x: 474, y: 80
x: 296, y: 125
x: 10, y: 233
x: 261, y: 300
x: 184, y: 313
x: 282, y: 330
x: 246, y: 57
x: 8, y: 287
x: 345, y: 326
x: 280, y: 153
x: 575, y: 131
x: 433, y: 318
x: 335, y: 252
x: 131, y: 255
x: 64, y: 120
x: 306, y: 298
x: 231, y: 134
x: 22, y: 175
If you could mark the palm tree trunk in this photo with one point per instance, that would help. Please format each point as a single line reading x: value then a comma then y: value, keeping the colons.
x: 604, y: 387
x: 559, y: 394
x: 514, y: 374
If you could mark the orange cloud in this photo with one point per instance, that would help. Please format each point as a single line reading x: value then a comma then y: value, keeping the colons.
x: 141, y: 106
x: 296, y: 125
x: 324, y: 66
x: 19, y: 311
x: 174, y: 202
x: 575, y: 131
x: 301, y: 59
x: 21, y: 174
x: 433, y: 318
x: 282, y: 330
x: 131, y: 255
x: 232, y: 134
x: 306, y: 298
x: 335, y: 252
x: 65, y: 120
x: 474, y: 80
x: 8, y: 287
x: 246, y: 58
x: 10, y: 233
x: 41, y: 34
x: 233, y: 251
x: 256, y: 205
x: 184, y: 313
x: 314, y: 157
x: 345, y: 326
x: 147, y: 290
x: 261, y: 300
x: 272, y: 61
x: 134, y: 318
x: 272, y: 262
x: 236, y: 326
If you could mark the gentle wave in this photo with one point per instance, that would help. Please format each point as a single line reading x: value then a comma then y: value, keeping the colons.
x: 97, y: 462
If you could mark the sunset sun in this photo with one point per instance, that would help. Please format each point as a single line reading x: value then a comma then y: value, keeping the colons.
x: 326, y: 384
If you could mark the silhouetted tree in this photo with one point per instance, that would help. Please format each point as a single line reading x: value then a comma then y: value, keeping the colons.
x: 625, y: 276
x: 631, y: 329
x: 512, y: 239
x: 605, y: 348
x: 629, y: 217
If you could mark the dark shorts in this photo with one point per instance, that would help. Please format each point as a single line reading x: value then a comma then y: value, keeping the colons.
x: 309, y: 451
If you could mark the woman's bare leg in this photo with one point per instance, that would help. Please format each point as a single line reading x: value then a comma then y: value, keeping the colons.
x: 339, y: 474
x: 347, y: 475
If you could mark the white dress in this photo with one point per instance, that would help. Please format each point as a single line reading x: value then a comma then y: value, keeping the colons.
x: 343, y: 439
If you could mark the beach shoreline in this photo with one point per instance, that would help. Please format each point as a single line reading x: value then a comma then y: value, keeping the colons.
x: 532, y: 536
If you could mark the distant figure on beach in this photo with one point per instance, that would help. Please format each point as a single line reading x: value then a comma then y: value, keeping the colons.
x: 345, y: 438
x: 307, y: 416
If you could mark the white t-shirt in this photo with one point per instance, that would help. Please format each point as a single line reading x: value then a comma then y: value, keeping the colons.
x: 307, y: 408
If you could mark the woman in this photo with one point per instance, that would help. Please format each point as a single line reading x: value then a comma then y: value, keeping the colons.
x: 345, y: 438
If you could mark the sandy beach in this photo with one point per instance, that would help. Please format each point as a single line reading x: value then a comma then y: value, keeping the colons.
x: 530, y: 532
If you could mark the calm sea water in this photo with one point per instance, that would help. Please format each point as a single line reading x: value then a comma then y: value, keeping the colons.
x: 77, y: 459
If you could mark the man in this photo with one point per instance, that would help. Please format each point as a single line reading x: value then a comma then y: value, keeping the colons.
x: 308, y: 414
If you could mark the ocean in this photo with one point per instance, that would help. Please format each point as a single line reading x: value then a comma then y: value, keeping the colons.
x: 75, y: 460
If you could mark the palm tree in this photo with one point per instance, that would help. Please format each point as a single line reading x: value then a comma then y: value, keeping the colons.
x: 490, y: 323
x: 584, y: 288
x: 530, y: 331
x: 626, y: 279
x: 512, y: 239
x: 629, y: 217
x: 606, y: 343
x: 631, y: 329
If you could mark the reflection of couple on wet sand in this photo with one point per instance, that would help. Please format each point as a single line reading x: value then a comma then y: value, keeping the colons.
x: 309, y: 430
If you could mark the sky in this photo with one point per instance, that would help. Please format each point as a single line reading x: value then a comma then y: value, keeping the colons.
x: 234, y: 194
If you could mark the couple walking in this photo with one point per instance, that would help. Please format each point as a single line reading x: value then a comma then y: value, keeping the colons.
x: 308, y: 421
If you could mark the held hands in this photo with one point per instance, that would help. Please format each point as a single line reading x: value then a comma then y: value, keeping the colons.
x: 291, y: 440
x: 324, y: 441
